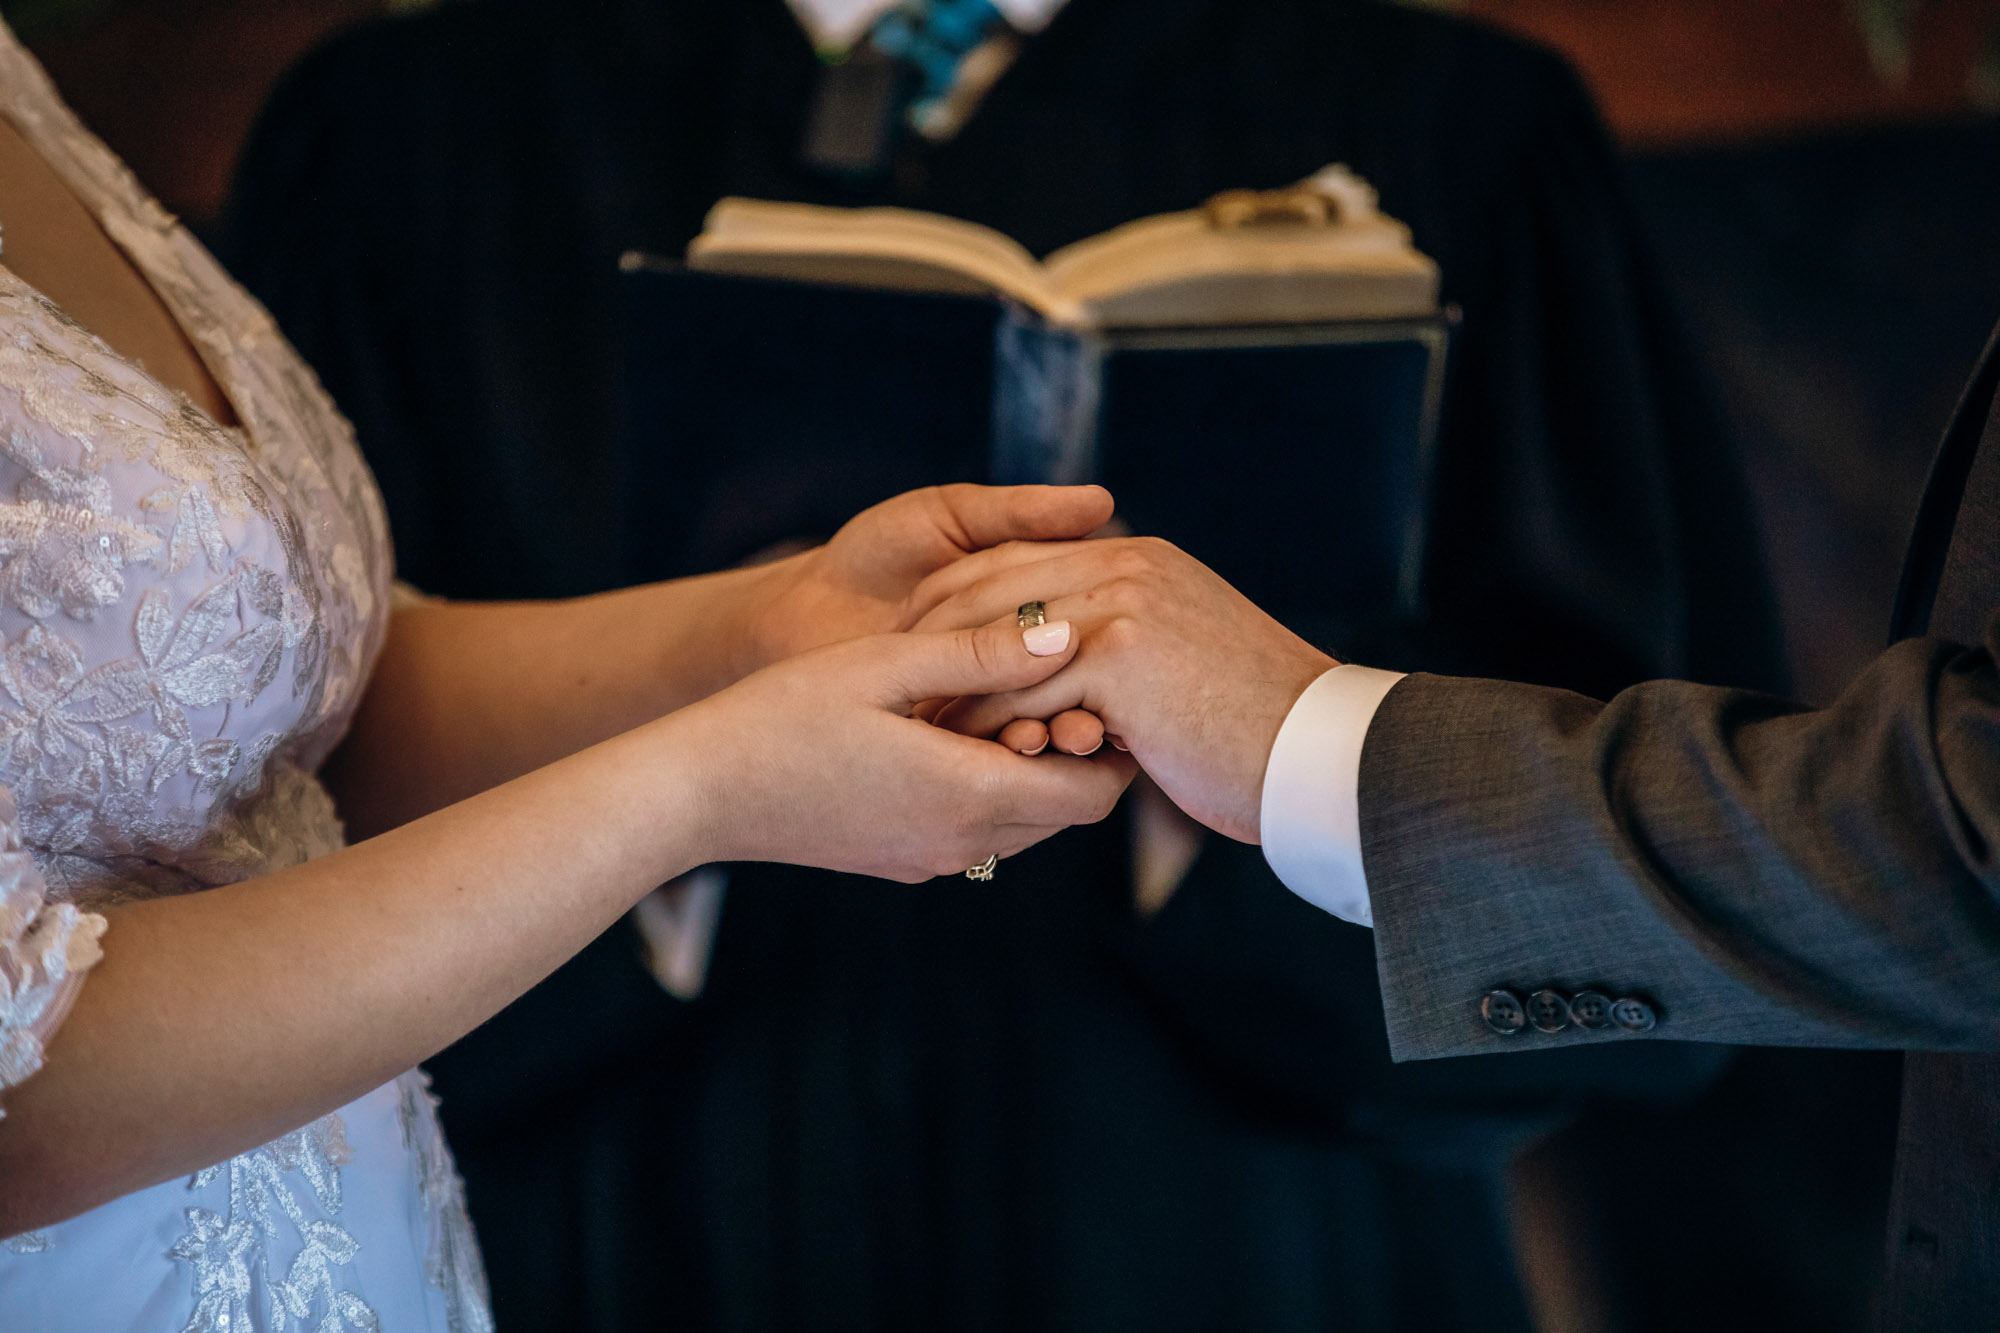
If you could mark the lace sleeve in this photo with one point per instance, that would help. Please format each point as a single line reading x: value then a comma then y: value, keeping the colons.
x: 45, y: 948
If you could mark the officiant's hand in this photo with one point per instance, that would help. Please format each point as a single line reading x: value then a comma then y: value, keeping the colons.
x: 820, y: 760
x: 860, y: 582
x: 1182, y: 669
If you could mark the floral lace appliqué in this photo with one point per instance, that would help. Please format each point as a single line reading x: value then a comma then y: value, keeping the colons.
x: 452, y: 1264
x: 63, y: 547
x: 87, y: 749
x: 230, y: 1252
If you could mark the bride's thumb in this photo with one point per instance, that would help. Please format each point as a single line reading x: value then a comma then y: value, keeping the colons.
x: 992, y: 659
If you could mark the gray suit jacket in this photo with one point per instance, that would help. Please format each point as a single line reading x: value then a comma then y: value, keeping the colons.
x: 1745, y: 869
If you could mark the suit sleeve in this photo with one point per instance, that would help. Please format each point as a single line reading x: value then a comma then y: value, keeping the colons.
x: 1756, y: 871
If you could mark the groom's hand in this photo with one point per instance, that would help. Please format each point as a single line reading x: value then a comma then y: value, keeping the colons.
x: 1183, y: 670
x: 861, y: 581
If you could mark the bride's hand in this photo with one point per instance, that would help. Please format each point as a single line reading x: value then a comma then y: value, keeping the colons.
x: 819, y: 760
x: 859, y: 583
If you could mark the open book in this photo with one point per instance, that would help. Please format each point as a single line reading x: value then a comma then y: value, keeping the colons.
x: 1316, y: 252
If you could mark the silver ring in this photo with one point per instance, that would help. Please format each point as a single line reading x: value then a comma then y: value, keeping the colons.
x: 1031, y: 614
x: 984, y: 870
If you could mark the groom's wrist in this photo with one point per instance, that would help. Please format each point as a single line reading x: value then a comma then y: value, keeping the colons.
x: 1287, y: 680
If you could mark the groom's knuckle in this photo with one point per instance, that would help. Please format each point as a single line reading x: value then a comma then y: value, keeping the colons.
x: 1120, y: 634
x: 1119, y: 591
x: 1130, y: 560
x: 1143, y: 598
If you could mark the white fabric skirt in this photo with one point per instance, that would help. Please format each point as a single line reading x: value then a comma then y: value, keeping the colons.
x: 355, y: 1222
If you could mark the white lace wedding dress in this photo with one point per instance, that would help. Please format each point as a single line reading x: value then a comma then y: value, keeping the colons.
x: 188, y: 614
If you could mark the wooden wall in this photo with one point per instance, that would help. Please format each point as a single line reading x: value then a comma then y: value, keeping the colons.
x: 1681, y: 72
x: 174, y: 84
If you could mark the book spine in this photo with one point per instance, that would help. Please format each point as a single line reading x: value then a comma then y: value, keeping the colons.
x: 1047, y: 391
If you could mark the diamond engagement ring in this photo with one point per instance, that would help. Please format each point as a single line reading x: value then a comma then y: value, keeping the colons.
x: 984, y: 870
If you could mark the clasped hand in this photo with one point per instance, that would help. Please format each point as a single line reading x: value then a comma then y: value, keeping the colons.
x: 868, y: 750
x: 819, y: 755
x: 1174, y: 665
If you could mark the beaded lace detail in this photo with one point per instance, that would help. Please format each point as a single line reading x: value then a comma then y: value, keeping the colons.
x: 452, y: 1263
x: 228, y: 1251
x: 188, y: 613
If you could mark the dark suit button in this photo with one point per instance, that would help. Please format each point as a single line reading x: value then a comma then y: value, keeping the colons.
x: 1503, y: 1012
x: 1633, y: 1014
x: 1548, y: 1011
x: 1591, y: 1009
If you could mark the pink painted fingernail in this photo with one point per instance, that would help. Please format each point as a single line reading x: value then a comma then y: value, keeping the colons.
x: 1047, y: 640
x: 1030, y: 754
x: 1085, y: 754
x: 1118, y: 742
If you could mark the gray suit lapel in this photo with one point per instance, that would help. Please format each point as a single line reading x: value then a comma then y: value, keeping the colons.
x: 1968, y: 586
x: 1944, y: 1216
x: 1939, y: 512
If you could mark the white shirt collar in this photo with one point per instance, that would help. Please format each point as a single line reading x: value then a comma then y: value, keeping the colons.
x: 835, y: 25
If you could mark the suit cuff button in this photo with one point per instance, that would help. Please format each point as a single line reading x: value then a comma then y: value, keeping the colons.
x: 1591, y: 1009
x: 1503, y: 1012
x: 1548, y: 1011
x: 1634, y: 1014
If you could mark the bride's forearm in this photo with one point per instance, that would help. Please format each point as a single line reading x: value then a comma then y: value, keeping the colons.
x: 219, y: 1020
x: 468, y: 695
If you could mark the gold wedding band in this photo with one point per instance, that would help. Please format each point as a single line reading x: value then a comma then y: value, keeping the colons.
x: 984, y: 870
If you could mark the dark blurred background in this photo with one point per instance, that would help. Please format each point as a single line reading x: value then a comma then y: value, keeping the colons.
x: 1817, y: 177
x: 1817, y: 181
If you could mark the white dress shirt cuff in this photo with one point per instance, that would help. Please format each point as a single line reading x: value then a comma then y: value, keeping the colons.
x: 1311, y: 816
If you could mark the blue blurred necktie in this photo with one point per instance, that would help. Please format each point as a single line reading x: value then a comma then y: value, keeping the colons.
x: 921, y: 67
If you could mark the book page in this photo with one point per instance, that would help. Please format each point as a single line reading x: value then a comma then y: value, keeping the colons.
x: 895, y: 248
x: 1177, y: 268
